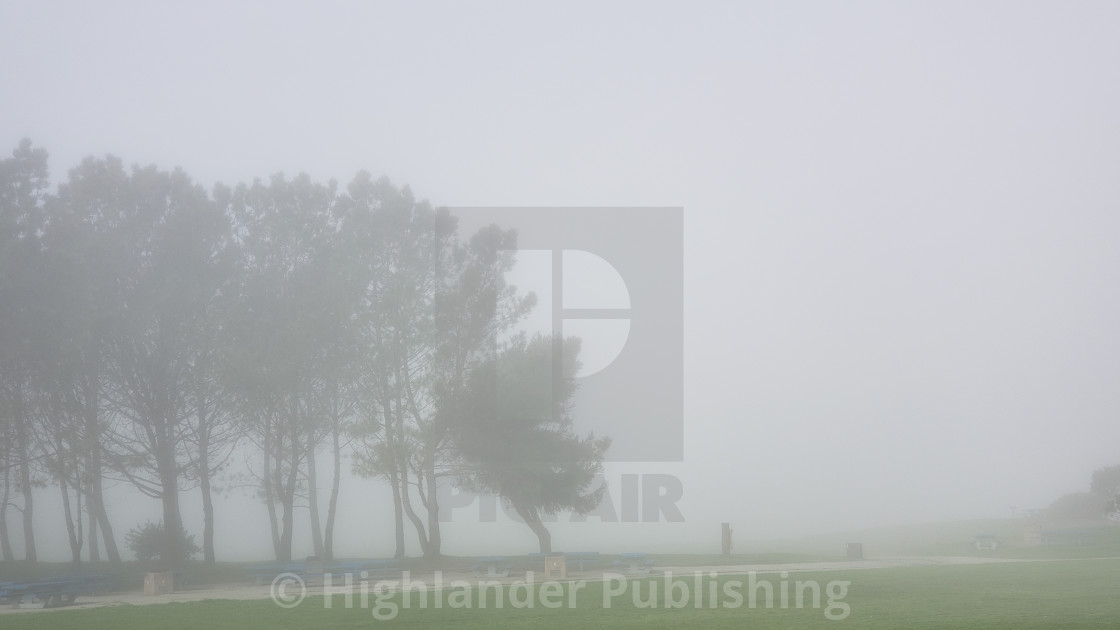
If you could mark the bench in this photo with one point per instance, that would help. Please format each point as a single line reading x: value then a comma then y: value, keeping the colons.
x: 314, y: 570
x: 377, y: 568
x: 582, y: 558
x: 634, y: 563
x: 986, y: 542
x: 268, y: 571
x: 492, y: 567
x: 1067, y: 537
x: 48, y: 593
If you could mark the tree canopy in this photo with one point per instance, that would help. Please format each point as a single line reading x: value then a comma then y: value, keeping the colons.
x: 516, y: 438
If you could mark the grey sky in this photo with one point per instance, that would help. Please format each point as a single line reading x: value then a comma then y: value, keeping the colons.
x: 901, y: 219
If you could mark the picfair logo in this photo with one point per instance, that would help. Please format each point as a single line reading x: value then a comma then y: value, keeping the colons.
x: 614, y: 278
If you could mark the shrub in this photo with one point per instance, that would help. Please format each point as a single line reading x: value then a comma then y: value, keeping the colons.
x: 147, y: 543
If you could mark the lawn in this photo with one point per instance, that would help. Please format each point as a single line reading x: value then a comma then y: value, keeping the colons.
x: 1051, y: 594
x: 956, y: 539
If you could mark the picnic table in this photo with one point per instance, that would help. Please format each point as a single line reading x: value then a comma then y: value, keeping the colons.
x: 48, y: 593
x: 986, y: 542
x: 582, y: 558
x: 638, y: 563
x: 492, y: 567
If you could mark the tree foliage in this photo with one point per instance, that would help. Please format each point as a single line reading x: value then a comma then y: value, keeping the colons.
x: 1080, y: 505
x: 516, y: 437
x: 148, y: 542
x: 1106, y: 481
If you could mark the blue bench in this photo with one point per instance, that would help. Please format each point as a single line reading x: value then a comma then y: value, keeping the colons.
x: 48, y: 593
x: 366, y: 569
x: 267, y: 571
x: 634, y: 563
x: 582, y: 558
x: 1067, y: 537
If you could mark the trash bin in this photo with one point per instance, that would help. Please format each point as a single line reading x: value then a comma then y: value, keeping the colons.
x: 855, y: 551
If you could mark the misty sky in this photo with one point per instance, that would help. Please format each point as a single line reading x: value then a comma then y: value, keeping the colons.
x: 901, y: 219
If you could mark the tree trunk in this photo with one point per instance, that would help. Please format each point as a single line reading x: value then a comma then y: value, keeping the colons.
x: 111, y: 550
x: 394, y: 479
x: 313, y: 496
x: 5, y: 540
x: 94, y: 548
x: 289, y: 497
x: 431, y: 505
x: 24, y: 448
x: 405, y: 492
x: 72, y: 534
x: 96, y: 502
x: 532, y: 518
x: 204, y: 480
x: 74, y: 529
x: 207, y: 516
x: 269, y: 490
x: 29, y: 553
x: 406, y: 502
x: 398, y: 516
x: 174, y: 547
x: 285, y: 553
x: 332, y: 504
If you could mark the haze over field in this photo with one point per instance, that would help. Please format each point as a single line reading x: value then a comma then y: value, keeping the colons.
x: 900, y: 238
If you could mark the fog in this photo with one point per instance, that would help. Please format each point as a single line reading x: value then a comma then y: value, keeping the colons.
x: 900, y: 223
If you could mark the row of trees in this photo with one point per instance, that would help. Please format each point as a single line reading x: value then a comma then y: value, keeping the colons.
x: 150, y: 329
x: 1102, y: 499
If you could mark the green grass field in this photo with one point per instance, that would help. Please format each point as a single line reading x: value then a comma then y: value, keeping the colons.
x: 1046, y: 594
